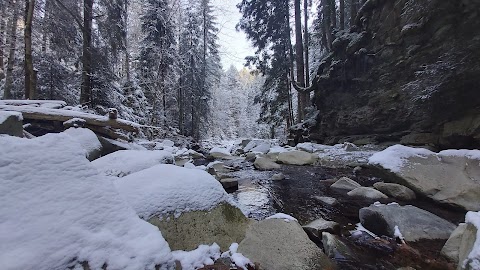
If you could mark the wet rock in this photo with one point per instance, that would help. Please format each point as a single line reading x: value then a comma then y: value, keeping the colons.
x: 315, y: 228
x: 466, y: 245
x: 224, y: 224
x: 431, y: 174
x: 265, y: 164
x: 11, y: 123
x: 229, y: 184
x: 326, y: 200
x: 276, y: 244
x: 336, y: 249
x: 395, y: 190
x: 414, y: 223
x: 367, y: 193
x: 346, y: 184
x: 451, y: 248
x: 278, y: 177
x: 296, y: 157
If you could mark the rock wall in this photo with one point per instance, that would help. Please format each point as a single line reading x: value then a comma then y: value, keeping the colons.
x: 408, y: 72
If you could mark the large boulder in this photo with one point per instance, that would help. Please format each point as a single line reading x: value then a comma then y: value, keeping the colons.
x: 276, y: 244
x: 265, y: 164
x: 469, y: 252
x: 451, y: 248
x: 395, y: 190
x: 11, y: 123
x: 88, y: 140
x: 224, y: 224
x: 367, y: 193
x: 220, y: 153
x: 450, y: 177
x: 346, y: 184
x: 296, y: 157
x: 412, y: 222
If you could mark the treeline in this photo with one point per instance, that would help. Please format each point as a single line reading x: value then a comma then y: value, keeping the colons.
x: 288, y: 63
x: 155, y: 60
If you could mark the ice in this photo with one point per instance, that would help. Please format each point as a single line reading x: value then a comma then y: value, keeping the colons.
x: 283, y: 216
x: 168, y: 189
x: 125, y: 162
x: 56, y: 212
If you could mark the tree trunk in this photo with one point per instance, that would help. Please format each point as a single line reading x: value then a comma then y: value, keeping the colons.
x: 86, y: 88
x: 7, y: 94
x: 353, y: 11
x: 306, y: 45
x: 333, y: 12
x: 46, y: 19
x: 327, y: 24
x: 299, y: 60
x: 30, y: 74
x: 3, y: 7
x: 342, y: 14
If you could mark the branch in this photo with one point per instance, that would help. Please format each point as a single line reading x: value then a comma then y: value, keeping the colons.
x: 303, y: 89
x: 75, y: 17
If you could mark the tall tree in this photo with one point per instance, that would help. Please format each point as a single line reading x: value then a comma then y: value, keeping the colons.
x: 300, y: 65
x: 3, y: 9
x: 7, y: 94
x: 342, y: 14
x: 306, y: 49
x: 86, y: 87
x: 30, y: 73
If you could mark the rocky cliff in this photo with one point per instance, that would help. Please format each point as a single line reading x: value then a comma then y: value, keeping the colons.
x: 408, y: 72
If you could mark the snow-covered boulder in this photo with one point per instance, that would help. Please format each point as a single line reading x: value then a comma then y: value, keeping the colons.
x: 275, y: 151
x: 125, y: 162
x: 261, y: 148
x: 265, y: 164
x: 312, y: 147
x: 432, y: 174
x: 282, y: 245
x: 109, y: 145
x: 88, y: 140
x: 414, y: 223
x: 11, y: 123
x: 395, y: 190
x: 367, y: 193
x: 296, y: 157
x: 57, y: 212
x: 220, y: 153
x: 345, y: 183
x: 189, y: 206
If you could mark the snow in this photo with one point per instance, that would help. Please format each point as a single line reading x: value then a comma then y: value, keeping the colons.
x: 220, y: 150
x: 474, y: 256
x: 394, y: 158
x: 4, y: 115
x: 277, y: 149
x: 398, y: 234
x: 56, y: 212
x: 165, y: 189
x: 87, y: 139
x: 261, y: 148
x: 359, y: 228
x: 43, y: 103
x: 197, y: 258
x: 237, y: 258
x: 312, y: 147
x: 283, y: 216
x: 124, y: 162
x: 334, y: 155
x: 74, y: 122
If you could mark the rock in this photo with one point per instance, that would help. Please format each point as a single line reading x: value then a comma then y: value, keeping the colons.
x: 88, y: 140
x: 275, y: 151
x: 347, y: 146
x: 395, y: 190
x: 278, y: 177
x: 250, y: 156
x: 109, y: 146
x: 181, y: 161
x: 224, y: 224
x: 414, y: 223
x: 431, y: 174
x: 375, y: 245
x: 336, y: 249
x: 230, y: 184
x: 451, y: 248
x: 345, y: 183
x: 466, y: 245
x: 367, y: 193
x: 315, y: 228
x: 265, y: 164
x: 218, y: 168
x: 261, y: 148
x: 326, y: 200
x: 296, y: 157
x: 11, y: 123
x: 276, y: 244
x: 220, y: 153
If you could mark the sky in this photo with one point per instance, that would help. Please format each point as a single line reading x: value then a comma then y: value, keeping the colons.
x: 234, y: 45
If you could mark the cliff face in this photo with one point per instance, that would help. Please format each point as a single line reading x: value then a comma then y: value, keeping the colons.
x: 408, y: 72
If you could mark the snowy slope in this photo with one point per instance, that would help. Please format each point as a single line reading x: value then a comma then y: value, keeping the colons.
x: 56, y: 211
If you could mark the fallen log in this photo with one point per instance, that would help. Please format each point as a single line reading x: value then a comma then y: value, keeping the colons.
x: 52, y: 104
x: 38, y: 113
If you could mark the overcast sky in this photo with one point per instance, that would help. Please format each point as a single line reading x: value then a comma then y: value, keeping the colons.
x: 234, y: 45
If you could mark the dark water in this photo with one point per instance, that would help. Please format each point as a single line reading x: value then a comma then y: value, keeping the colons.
x: 295, y: 196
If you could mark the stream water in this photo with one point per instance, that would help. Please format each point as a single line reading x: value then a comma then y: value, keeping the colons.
x: 295, y: 195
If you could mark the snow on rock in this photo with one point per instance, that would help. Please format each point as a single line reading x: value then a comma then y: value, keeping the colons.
x: 203, y: 255
x: 395, y: 157
x: 341, y: 155
x: 4, y: 115
x: 473, y: 259
x: 125, y: 162
x: 56, y: 212
x: 312, y: 147
x: 219, y: 152
x: 11, y: 123
x: 237, y: 258
x: 283, y: 216
x: 88, y: 140
x: 165, y: 189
